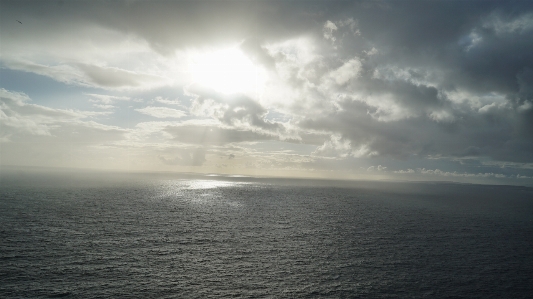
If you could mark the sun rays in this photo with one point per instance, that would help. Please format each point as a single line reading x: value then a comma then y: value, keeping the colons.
x: 227, y: 71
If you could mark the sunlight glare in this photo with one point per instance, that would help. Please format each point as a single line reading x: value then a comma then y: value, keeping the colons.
x: 227, y: 71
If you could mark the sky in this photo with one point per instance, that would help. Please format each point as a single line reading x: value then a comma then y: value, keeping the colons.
x: 389, y: 90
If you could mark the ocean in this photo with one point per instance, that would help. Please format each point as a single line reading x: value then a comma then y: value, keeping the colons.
x: 192, y: 236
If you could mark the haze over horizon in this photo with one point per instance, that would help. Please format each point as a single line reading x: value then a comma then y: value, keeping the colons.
x: 403, y: 90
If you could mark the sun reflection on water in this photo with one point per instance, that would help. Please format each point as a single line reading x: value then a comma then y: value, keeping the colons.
x: 201, y: 192
x: 209, y: 184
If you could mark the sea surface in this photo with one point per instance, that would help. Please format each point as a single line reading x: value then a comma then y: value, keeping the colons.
x: 162, y: 236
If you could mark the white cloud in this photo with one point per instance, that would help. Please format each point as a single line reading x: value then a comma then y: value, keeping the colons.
x: 161, y: 112
x: 91, y: 75
x: 371, y: 52
x: 117, y: 78
x: 442, y: 116
x: 458, y: 174
x: 335, y: 147
x: 329, y: 29
x: 186, y: 157
x: 376, y: 168
x: 409, y: 170
x: 520, y: 24
x: 40, y: 136
x: 103, y: 106
x: 106, y: 99
x: 346, y: 72
x: 18, y: 112
x: 167, y: 101
x: 18, y: 115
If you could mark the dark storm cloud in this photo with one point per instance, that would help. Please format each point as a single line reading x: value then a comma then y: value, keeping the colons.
x: 400, y: 105
x: 167, y: 25
x: 482, y: 46
x: 497, y: 136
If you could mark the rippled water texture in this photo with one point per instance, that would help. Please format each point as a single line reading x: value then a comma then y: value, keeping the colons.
x: 201, y: 238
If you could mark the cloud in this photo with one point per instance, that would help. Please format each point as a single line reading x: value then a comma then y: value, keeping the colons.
x: 503, y: 25
x: 338, y: 146
x: 415, y: 87
x: 112, y: 77
x: 404, y: 103
x: 186, y: 157
x: 378, y: 168
x: 346, y: 72
x: 19, y: 116
x: 238, y: 111
x: 62, y: 73
x: 91, y: 75
x: 103, y: 106
x: 259, y: 54
x: 167, y: 101
x: 329, y: 29
x: 213, y: 135
x: 409, y: 170
x: 456, y: 174
x: 161, y: 112
x: 32, y: 134
x: 106, y: 99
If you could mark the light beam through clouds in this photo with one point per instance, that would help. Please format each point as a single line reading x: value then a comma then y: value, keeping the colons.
x: 227, y: 71
x: 436, y: 90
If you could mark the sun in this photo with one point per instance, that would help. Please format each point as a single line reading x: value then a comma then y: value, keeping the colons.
x: 227, y: 71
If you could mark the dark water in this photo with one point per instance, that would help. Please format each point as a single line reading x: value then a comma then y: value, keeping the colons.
x: 190, y: 238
